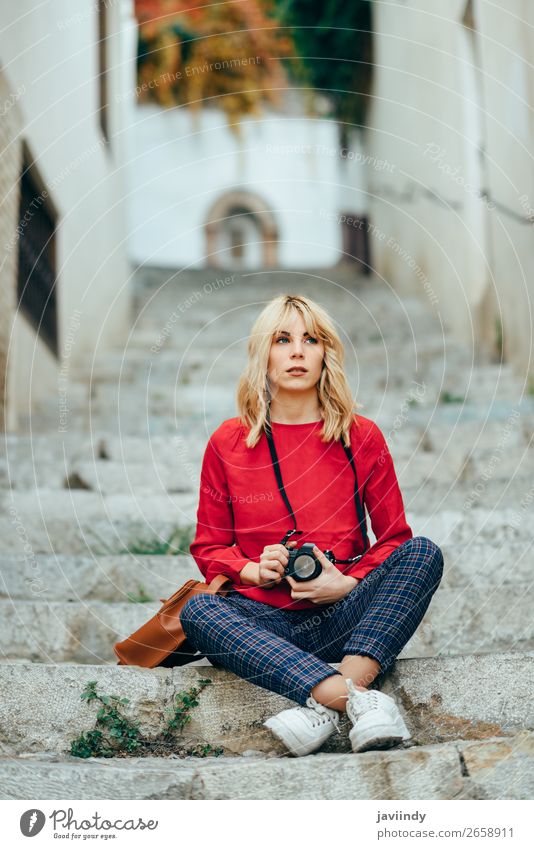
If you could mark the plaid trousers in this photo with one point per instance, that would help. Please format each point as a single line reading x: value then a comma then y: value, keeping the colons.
x: 289, y: 651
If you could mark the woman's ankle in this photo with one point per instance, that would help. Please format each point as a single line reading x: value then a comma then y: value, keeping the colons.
x: 332, y: 692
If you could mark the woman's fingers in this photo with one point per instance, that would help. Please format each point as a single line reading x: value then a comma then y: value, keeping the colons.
x: 272, y: 568
x: 278, y: 551
x: 273, y: 560
x: 268, y: 576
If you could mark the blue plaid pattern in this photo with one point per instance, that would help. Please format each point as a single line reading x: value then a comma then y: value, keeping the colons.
x: 289, y: 651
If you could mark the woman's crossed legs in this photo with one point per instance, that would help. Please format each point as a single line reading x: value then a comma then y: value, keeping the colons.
x: 289, y: 651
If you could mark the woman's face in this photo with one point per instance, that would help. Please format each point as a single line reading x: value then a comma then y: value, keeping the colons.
x: 292, y: 348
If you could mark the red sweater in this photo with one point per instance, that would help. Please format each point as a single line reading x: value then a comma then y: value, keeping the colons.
x: 241, y: 510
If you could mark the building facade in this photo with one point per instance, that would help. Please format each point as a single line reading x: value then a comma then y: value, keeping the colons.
x: 64, y: 260
x: 452, y: 114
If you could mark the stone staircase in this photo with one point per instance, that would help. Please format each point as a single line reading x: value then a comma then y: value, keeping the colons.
x: 91, y: 510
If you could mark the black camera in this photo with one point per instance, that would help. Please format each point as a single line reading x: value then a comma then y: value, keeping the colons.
x: 303, y: 565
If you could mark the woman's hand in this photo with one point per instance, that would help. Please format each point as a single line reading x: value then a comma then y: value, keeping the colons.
x: 330, y: 586
x: 270, y: 570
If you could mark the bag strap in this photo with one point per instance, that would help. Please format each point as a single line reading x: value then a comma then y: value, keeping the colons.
x: 218, y: 581
x: 276, y: 465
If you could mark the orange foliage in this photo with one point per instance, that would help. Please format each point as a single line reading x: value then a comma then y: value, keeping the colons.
x: 205, y: 54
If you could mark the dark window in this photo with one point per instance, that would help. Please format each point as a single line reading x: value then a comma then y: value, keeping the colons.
x: 355, y: 230
x: 103, y: 67
x: 36, y: 282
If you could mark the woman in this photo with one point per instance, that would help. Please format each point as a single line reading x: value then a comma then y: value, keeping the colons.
x: 279, y: 469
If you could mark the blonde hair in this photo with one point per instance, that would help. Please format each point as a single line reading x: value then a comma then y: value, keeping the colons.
x: 333, y: 391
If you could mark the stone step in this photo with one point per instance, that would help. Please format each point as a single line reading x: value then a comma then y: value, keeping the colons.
x: 145, y: 534
x: 431, y: 455
x: 442, y: 700
x: 207, y: 416
x: 68, y: 448
x: 475, y: 525
x: 79, y: 505
x: 475, y: 436
x: 495, y: 768
x: 466, y: 478
x: 513, y: 495
x: 165, y: 374
x: 112, y: 478
x: 389, y: 408
x: 182, y: 382
x: 70, y: 522
x: 459, y: 619
x: 65, y: 577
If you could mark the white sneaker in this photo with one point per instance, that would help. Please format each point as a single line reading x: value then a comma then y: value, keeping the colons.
x: 304, y: 729
x: 377, y: 723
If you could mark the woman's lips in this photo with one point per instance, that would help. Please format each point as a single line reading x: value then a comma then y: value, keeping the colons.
x: 297, y: 372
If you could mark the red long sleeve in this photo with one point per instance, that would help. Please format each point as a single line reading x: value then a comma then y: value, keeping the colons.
x: 384, y: 504
x: 241, y: 511
x: 215, y: 521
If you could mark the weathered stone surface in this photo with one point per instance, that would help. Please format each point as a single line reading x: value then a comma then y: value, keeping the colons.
x: 32, y: 535
x: 495, y: 496
x: 96, y: 444
x: 112, y: 478
x: 472, y: 526
x: 458, y: 620
x: 79, y: 505
x: 42, y: 710
x: 451, y: 709
x: 429, y: 772
x: 68, y: 577
x: 477, y: 436
x: 462, y: 619
x: 483, y: 565
x: 499, y: 769
x: 63, y: 522
x: 58, y: 631
x: 503, y: 462
x: 415, y: 469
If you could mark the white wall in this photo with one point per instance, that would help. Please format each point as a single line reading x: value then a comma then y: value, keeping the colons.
x: 429, y: 237
x: 453, y: 113
x: 507, y: 38
x: 180, y: 165
x: 50, y: 51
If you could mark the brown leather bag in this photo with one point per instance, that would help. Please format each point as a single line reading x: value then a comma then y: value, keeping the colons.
x: 161, y: 641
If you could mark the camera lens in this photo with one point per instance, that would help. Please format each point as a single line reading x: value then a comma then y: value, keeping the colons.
x: 304, y: 565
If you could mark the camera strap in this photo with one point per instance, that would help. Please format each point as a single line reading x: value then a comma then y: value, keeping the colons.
x: 359, y: 508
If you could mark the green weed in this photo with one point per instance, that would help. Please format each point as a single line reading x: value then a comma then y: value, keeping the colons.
x: 178, y: 543
x: 115, y: 735
x: 448, y: 398
x: 499, y: 340
x: 141, y: 596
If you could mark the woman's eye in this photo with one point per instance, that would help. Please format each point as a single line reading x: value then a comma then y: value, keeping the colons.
x: 285, y: 339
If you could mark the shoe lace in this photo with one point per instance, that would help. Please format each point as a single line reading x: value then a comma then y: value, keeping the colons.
x: 361, y: 700
x: 319, y: 714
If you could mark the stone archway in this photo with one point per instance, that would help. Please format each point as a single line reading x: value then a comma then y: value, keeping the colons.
x: 241, y: 232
